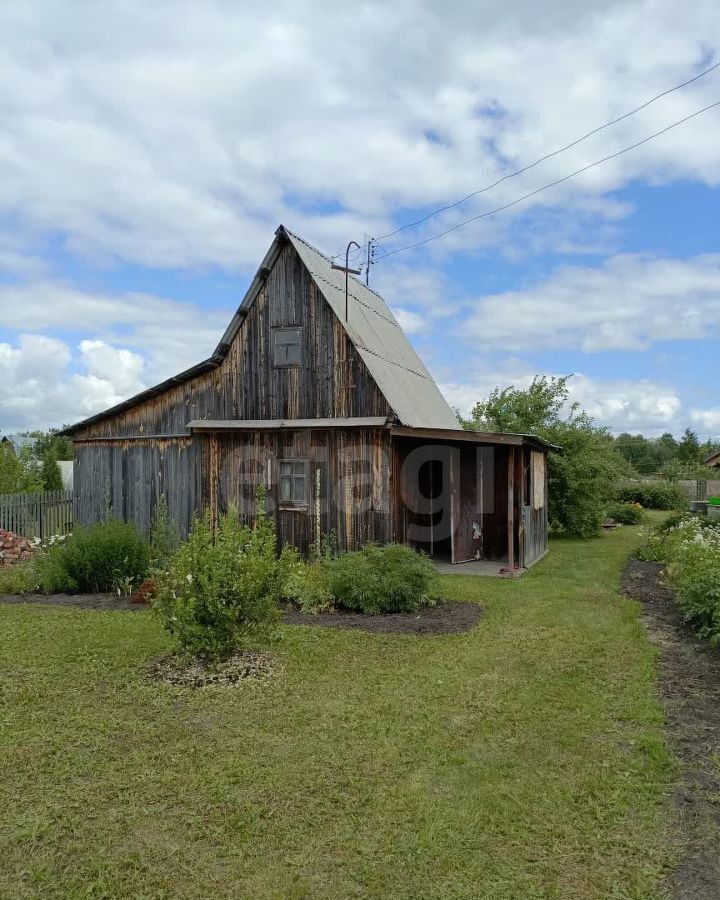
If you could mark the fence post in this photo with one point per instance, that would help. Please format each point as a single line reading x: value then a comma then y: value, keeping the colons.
x: 37, y: 514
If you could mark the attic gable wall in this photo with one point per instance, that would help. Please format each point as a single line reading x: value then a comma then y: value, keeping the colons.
x: 332, y: 382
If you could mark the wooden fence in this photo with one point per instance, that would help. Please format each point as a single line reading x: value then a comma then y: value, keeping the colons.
x: 37, y: 515
x: 701, y: 489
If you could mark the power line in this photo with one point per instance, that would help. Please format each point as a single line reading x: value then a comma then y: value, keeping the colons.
x: 550, y: 184
x: 552, y: 154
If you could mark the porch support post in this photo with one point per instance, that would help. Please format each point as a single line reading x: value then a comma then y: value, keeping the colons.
x: 511, y: 510
x: 453, y: 548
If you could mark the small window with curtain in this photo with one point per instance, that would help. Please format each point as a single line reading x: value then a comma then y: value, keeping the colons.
x: 293, y: 482
x: 286, y: 347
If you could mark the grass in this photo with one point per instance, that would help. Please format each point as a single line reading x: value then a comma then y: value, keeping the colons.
x: 524, y: 759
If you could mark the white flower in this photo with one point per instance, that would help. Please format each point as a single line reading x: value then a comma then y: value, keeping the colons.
x: 189, y: 578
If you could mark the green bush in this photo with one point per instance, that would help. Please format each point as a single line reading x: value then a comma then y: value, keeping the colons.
x: 221, y: 591
x: 694, y: 572
x: 308, y: 587
x: 626, y: 514
x: 654, y: 495
x: 20, y: 578
x: 381, y: 579
x: 108, y: 556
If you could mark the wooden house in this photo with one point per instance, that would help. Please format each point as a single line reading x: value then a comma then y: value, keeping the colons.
x: 713, y: 461
x: 335, y: 414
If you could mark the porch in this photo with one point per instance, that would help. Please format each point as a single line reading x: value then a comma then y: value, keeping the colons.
x: 475, y: 502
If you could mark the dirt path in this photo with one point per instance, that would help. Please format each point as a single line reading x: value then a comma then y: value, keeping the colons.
x: 79, y: 601
x: 449, y: 617
x: 690, y: 687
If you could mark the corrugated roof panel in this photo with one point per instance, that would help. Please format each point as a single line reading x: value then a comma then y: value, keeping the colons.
x: 398, y: 370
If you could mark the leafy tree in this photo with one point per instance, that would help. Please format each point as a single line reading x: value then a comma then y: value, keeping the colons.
x: 51, y: 442
x: 584, y: 476
x: 19, y: 473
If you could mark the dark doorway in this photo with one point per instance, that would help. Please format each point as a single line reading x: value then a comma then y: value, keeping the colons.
x: 430, y: 520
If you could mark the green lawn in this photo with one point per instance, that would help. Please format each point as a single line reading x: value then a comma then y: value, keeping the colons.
x: 524, y: 759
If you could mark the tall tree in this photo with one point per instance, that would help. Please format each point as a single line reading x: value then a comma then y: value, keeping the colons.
x: 584, y: 475
x: 50, y: 472
x: 52, y: 442
x: 689, y: 448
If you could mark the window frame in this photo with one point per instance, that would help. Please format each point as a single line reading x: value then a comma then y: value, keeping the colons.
x: 292, y: 503
x: 275, y: 332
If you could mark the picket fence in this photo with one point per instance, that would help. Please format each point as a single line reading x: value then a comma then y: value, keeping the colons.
x: 37, y: 515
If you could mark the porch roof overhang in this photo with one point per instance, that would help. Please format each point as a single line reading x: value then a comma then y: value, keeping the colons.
x: 505, y: 438
x: 204, y: 425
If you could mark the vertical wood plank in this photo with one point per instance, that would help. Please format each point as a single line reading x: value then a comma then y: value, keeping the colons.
x: 511, y: 509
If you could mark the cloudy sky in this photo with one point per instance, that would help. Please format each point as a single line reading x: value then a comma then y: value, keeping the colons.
x: 148, y: 151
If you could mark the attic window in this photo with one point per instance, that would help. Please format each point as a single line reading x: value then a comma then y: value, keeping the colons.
x: 286, y: 346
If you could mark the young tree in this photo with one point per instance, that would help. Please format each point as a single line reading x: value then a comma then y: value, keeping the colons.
x: 585, y: 474
x: 50, y: 472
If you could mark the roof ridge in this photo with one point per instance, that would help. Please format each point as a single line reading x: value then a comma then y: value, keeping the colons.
x: 330, y: 260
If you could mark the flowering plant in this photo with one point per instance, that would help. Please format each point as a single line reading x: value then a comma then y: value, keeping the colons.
x: 694, y: 572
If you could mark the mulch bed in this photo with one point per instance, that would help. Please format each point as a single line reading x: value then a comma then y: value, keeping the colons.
x: 80, y: 601
x: 197, y: 673
x: 449, y: 617
x: 690, y: 689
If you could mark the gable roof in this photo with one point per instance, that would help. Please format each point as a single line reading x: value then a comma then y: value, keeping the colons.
x: 713, y: 459
x: 390, y: 358
x: 374, y: 331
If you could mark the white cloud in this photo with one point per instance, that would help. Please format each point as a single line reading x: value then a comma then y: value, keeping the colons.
x: 180, y: 136
x: 44, y: 383
x: 706, y: 419
x: 622, y: 405
x: 118, y: 367
x: 627, y: 303
x: 411, y: 322
x: 172, y: 335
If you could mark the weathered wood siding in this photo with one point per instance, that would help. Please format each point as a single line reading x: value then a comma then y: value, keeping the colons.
x: 125, y: 479
x: 534, y: 517
x: 348, y: 481
x: 333, y: 381
x: 126, y: 476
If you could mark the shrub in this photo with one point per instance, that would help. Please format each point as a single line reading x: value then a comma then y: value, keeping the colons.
x: 308, y: 586
x: 654, y: 548
x: 19, y: 578
x: 694, y: 571
x: 672, y: 521
x: 221, y: 591
x: 654, y: 495
x: 626, y: 513
x: 164, y: 537
x: 381, y: 579
x: 110, y: 555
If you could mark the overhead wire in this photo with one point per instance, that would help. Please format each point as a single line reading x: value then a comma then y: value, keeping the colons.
x: 549, y: 185
x: 553, y: 153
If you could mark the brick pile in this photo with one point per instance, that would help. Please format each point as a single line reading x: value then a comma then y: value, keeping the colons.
x: 13, y: 548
